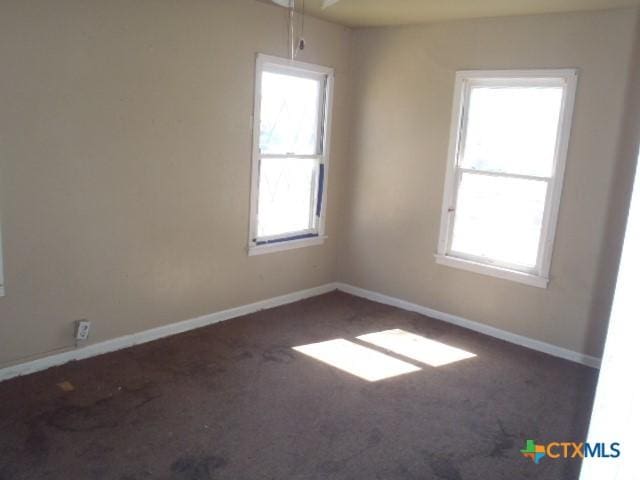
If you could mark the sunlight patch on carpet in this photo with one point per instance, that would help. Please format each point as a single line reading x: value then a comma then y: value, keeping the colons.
x: 416, y: 347
x: 357, y: 360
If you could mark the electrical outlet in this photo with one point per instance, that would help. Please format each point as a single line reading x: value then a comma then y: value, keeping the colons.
x: 82, y: 329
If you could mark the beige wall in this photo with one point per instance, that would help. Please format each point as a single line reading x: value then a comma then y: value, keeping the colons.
x: 403, y: 87
x: 125, y: 164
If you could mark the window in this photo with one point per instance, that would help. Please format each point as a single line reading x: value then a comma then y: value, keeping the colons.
x: 509, y: 138
x: 290, y: 154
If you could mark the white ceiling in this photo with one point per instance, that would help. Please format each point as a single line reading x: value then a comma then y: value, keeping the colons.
x: 361, y: 13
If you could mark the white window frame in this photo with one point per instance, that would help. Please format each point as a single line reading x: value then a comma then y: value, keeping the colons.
x: 314, y: 236
x: 537, y: 276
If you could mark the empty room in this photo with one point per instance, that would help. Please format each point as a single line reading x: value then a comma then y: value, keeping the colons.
x: 319, y: 239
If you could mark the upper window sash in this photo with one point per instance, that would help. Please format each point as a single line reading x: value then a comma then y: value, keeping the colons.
x: 318, y: 83
x: 540, y: 90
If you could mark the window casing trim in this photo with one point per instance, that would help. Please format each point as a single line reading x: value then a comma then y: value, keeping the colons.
x: 315, y: 235
x: 538, y: 275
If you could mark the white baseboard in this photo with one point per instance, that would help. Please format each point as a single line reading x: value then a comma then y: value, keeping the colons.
x: 527, y: 342
x: 156, y: 333
x: 186, y: 325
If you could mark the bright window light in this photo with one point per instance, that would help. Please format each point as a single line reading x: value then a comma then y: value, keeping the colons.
x: 499, y: 218
x: 357, y: 360
x: 287, y: 190
x: 508, y: 146
x: 416, y: 347
x: 292, y: 114
x: 512, y: 129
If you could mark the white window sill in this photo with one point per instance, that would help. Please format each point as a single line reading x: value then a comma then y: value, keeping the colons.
x: 504, y: 273
x: 287, y: 245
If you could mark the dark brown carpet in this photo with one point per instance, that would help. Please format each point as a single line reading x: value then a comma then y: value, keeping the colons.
x: 234, y: 401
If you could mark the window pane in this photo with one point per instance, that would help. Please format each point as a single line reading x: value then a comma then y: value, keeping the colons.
x: 287, y: 191
x: 499, y: 218
x: 512, y: 129
x: 289, y: 114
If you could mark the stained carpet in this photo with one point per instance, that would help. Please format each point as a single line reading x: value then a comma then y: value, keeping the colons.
x: 235, y: 401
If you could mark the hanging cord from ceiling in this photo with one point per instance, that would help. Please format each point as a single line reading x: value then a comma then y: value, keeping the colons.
x: 291, y: 36
x: 301, y: 43
x: 296, y: 42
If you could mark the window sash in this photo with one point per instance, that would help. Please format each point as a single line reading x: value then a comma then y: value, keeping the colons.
x: 469, y: 84
x: 314, y: 217
x: 488, y: 260
x: 567, y: 79
x: 322, y: 78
